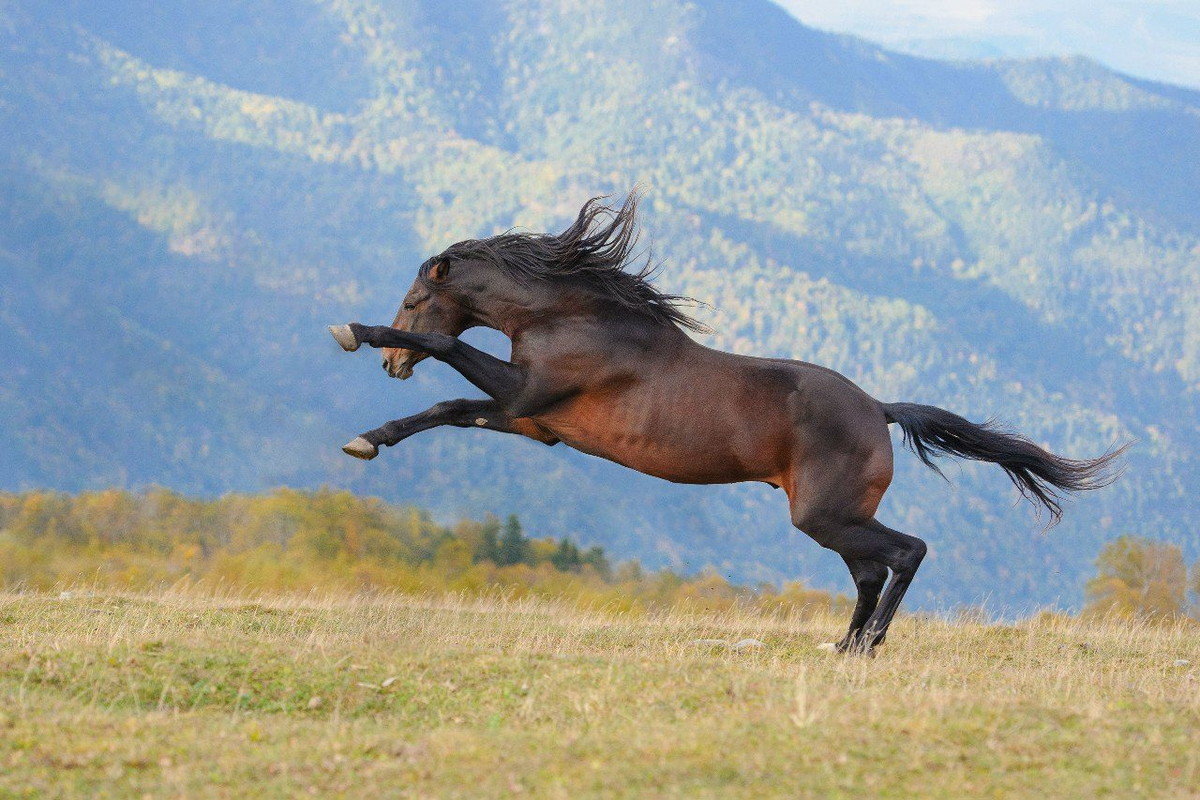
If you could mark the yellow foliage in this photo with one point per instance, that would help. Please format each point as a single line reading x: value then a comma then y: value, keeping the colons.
x: 295, y: 541
x: 1139, y: 579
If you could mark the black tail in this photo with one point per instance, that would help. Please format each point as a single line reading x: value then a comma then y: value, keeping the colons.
x: 1039, y: 474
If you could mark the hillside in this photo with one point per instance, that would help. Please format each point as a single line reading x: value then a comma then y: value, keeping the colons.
x: 194, y: 189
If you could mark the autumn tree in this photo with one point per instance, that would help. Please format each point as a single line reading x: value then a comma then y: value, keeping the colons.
x: 297, y: 540
x: 1138, y: 579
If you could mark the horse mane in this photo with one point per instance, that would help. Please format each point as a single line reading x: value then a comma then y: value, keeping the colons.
x: 595, y: 249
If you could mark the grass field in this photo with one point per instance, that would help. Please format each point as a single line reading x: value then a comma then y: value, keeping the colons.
x: 186, y: 694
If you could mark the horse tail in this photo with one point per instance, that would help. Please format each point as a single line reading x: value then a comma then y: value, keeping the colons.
x: 1037, y: 473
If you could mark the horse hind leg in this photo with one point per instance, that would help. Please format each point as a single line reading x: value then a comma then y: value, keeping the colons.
x: 869, y: 579
x: 872, y: 541
x: 911, y: 551
x: 841, y: 469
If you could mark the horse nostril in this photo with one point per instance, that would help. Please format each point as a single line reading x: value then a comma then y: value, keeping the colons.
x: 386, y: 366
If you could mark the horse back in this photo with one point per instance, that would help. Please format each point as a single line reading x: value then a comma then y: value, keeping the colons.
x: 672, y: 408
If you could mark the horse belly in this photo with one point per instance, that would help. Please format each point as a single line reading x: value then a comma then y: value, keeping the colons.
x: 680, y: 444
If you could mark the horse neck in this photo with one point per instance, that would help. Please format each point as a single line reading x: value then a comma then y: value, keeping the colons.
x: 533, y: 306
x: 539, y: 309
x: 608, y: 330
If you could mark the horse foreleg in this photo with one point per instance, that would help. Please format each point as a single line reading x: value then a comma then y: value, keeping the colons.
x: 499, y: 379
x: 485, y: 414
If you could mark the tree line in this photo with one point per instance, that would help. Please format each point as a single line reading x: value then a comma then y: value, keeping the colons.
x: 289, y: 540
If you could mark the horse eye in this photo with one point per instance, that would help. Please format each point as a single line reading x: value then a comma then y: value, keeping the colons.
x: 409, y: 306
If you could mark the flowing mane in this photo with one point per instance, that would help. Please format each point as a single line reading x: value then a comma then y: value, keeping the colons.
x: 596, y: 249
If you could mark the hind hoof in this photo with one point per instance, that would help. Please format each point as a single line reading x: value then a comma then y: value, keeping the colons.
x: 345, y: 337
x: 360, y: 448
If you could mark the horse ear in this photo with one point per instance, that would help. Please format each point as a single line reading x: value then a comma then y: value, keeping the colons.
x: 439, y: 270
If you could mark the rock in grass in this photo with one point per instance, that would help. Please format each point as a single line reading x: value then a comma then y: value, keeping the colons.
x: 315, y: 701
x: 1182, y: 662
x: 748, y: 644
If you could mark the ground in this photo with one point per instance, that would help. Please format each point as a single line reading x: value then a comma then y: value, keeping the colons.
x: 182, y: 693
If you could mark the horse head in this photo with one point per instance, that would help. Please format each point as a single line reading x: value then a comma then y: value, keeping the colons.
x: 434, y: 304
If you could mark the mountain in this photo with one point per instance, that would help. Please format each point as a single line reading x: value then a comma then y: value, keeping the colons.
x: 1156, y: 40
x: 193, y: 190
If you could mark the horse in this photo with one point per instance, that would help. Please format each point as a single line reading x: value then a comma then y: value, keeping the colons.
x: 602, y: 362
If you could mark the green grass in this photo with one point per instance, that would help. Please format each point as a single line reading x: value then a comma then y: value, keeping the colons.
x: 176, y: 694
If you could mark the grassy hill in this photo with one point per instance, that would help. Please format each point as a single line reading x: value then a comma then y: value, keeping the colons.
x: 192, y: 189
x: 181, y: 693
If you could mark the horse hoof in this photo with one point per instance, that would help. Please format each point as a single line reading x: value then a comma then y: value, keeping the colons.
x: 345, y: 337
x: 360, y: 448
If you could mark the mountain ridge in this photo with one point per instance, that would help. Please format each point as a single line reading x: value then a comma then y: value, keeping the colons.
x: 893, y: 248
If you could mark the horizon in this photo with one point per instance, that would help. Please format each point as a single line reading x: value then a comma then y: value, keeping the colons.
x: 1156, y: 41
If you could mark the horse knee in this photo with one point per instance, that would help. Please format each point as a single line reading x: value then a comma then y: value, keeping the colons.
x: 449, y: 409
x: 439, y: 345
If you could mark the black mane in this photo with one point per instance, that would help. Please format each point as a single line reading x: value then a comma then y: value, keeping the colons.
x: 595, y: 249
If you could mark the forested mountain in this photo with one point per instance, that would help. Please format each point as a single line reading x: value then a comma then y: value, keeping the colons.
x: 192, y: 190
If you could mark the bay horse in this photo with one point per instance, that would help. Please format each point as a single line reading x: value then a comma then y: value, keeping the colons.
x: 601, y: 362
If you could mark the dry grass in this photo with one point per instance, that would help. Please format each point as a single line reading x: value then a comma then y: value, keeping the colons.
x: 187, y: 694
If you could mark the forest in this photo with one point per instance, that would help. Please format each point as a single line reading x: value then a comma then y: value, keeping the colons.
x: 289, y: 541
x: 334, y: 541
x: 189, y: 201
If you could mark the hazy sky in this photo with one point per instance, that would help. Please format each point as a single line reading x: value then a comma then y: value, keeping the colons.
x: 1157, y: 39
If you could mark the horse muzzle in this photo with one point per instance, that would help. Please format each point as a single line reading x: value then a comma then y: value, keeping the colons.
x: 400, y: 363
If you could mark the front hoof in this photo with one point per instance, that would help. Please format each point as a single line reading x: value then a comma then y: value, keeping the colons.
x: 360, y: 448
x: 345, y: 337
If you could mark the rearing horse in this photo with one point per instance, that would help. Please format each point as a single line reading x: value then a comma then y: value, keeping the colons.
x: 600, y: 362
